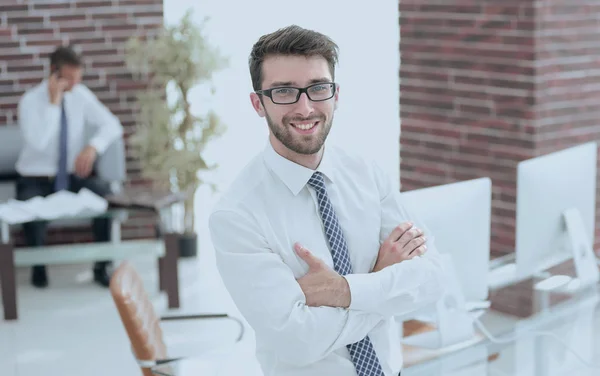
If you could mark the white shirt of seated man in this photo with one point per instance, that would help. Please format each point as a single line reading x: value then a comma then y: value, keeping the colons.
x: 40, y: 111
x: 274, y: 246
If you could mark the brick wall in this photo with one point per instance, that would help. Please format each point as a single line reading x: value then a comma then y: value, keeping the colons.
x: 30, y: 30
x: 486, y: 84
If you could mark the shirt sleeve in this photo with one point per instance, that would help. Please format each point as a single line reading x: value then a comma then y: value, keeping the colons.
x: 39, y: 120
x: 99, y: 116
x: 269, y: 297
x: 405, y: 287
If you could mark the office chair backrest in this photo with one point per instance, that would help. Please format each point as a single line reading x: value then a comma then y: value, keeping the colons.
x: 138, y: 315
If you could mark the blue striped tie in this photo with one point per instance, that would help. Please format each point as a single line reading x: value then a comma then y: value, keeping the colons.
x: 62, y: 175
x: 362, y: 352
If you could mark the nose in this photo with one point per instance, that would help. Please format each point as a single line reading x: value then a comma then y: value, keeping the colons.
x: 304, y: 106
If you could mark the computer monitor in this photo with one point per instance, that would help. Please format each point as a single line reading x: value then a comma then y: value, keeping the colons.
x: 556, y: 209
x: 459, y: 217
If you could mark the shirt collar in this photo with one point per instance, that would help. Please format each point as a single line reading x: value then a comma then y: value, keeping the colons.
x: 293, y: 175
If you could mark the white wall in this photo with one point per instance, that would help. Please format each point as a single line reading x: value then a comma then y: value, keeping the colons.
x: 367, y: 33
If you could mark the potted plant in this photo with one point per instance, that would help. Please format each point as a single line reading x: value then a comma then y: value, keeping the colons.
x: 169, y: 140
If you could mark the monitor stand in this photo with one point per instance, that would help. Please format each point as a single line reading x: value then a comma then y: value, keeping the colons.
x: 583, y: 252
x: 454, y: 322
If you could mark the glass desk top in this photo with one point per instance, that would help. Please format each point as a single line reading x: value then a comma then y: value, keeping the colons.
x: 575, y: 319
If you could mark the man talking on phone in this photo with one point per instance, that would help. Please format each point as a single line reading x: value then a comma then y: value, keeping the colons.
x: 56, y: 154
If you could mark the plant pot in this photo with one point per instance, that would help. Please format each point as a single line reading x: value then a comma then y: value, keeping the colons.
x: 188, y: 245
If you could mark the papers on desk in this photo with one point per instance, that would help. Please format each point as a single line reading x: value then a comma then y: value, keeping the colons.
x: 57, y: 205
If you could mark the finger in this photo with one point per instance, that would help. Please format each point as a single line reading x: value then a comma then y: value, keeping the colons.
x: 307, y: 256
x: 414, y: 244
x: 87, y: 167
x: 83, y: 167
x: 398, y: 231
x: 408, y: 236
x: 420, y: 251
x: 78, y: 166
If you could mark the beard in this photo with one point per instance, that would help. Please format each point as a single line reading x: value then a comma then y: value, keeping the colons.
x: 301, y: 144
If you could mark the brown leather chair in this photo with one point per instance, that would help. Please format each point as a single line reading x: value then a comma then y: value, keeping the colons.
x: 141, y: 321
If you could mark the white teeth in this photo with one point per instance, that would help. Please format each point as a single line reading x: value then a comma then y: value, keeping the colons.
x: 305, y: 127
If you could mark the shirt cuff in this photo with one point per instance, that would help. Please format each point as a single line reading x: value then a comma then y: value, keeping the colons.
x: 99, y: 144
x: 365, y: 291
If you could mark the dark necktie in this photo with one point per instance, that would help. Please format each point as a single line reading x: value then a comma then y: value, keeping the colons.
x: 61, y: 181
x: 362, y: 352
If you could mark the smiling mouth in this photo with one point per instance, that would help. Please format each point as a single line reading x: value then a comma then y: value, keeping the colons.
x: 305, y: 126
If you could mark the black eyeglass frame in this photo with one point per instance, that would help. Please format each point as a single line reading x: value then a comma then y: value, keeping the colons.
x: 268, y: 92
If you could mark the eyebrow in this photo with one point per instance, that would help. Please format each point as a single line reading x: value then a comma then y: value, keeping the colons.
x: 290, y: 83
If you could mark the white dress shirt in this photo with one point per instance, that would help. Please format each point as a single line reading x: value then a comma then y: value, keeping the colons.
x: 40, y: 125
x: 254, y: 226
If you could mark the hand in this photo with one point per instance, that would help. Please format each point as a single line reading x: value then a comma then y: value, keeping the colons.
x: 56, y: 88
x: 404, y: 243
x: 322, y: 286
x: 85, y: 162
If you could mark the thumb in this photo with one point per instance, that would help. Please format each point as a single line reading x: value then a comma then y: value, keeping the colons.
x: 305, y: 255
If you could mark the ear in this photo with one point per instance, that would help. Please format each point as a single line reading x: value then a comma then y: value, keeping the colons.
x: 257, y: 104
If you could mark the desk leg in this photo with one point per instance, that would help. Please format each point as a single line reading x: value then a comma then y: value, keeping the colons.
x: 168, y: 269
x: 8, y: 281
x: 161, y: 274
x: 161, y: 262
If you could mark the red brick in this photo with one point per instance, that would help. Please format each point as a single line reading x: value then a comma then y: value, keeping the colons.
x: 44, y: 6
x: 89, y: 40
x: 141, y: 14
x: 65, y: 19
x: 77, y: 29
x: 502, y: 9
x: 121, y: 27
x: 42, y: 32
x: 44, y: 42
x: 25, y: 68
x: 93, y: 4
x: 24, y: 82
x: 110, y: 16
x: 140, y: 2
x: 17, y: 56
x: 14, y: 8
x: 25, y: 20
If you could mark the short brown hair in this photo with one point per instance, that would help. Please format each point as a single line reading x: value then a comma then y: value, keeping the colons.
x: 64, y: 55
x: 291, y: 40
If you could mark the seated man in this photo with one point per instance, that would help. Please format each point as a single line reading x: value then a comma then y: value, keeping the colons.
x: 55, y: 156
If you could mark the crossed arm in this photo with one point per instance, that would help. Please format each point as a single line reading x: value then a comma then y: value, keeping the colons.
x: 403, y: 279
x: 273, y: 303
x: 304, y: 320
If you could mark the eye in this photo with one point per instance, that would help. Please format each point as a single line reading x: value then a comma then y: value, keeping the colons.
x: 319, y: 88
x: 283, y: 91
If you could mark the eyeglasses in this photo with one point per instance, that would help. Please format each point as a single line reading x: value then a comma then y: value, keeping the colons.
x: 288, y: 95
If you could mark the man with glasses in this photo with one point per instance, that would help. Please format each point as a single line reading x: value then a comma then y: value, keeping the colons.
x: 314, y: 245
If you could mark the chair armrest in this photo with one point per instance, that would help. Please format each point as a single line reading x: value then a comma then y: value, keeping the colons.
x: 194, y: 317
x: 156, y: 362
x: 207, y: 316
x: 159, y: 362
x: 110, y: 165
